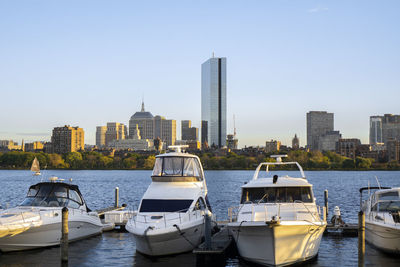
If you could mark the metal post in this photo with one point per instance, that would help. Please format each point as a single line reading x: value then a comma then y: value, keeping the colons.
x: 116, y: 197
x: 326, y: 203
x: 207, y: 230
x: 361, y: 238
x: 64, y: 235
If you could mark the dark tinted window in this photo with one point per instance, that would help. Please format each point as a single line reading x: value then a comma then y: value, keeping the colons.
x: 165, y: 205
x: 276, y: 194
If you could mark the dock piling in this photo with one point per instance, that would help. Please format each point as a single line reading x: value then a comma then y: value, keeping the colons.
x: 116, y: 197
x: 207, y: 230
x: 361, y: 238
x: 326, y: 203
x: 64, y: 236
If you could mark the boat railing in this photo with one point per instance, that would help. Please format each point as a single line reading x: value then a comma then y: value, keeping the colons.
x: 275, y: 211
x: 168, y: 219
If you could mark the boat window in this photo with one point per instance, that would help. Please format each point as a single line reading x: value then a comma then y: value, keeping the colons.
x: 200, y: 205
x: 276, y: 194
x: 165, y: 205
x: 393, y: 195
x: 387, y: 206
x: 191, y: 167
x: 157, y: 167
x: 75, y: 196
x: 177, y: 166
x: 32, y: 192
x: 52, y: 195
x: 172, y: 166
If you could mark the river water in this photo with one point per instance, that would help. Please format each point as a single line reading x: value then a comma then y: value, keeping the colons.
x: 118, y: 248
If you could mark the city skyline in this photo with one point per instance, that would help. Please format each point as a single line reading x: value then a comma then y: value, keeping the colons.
x: 90, y: 63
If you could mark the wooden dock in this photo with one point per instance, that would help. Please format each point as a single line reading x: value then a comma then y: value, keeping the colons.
x: 347, y: 230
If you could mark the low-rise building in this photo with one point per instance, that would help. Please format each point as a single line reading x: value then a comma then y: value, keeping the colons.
x: 272, y: 146
x: 348, y: 147
x: 231, y: 142
x: 134, y: 142
x: 393, y: 150
x: 9, y: 145
x: 34, y: 146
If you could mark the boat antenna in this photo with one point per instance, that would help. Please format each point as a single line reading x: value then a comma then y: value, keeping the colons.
x: 377, y: 181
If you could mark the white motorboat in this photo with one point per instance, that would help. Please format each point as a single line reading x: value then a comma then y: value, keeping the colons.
x: 278, y: 221
x: 170, y: 218
x: 382, y: 218
x: 36, y: 222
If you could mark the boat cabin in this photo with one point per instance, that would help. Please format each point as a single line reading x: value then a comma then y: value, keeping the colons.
x: 54, y: 194
x: 386, y: 201
x: 289, y: 194
x: 177, y: 167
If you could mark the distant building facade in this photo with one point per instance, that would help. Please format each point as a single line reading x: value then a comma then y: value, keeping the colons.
x: 135, y: 142
x: 188, y: 132
x: 151, y: 127
x: 393, y: 150
x: 115, y: 131
x: 272, y: 146
x: 101, y: 136
x: 295, y: 142
x: 375, y: 130
x: 67, y: 139
x: 231, y: 142
x: 318, y: 124
x: 34, y: 146
x: 213, y: 102
x: 384, y: 128
x: 9, y: 145
x: 327, y: 141
x: 348, y: 147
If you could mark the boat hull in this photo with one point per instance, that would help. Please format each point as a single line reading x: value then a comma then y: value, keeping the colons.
x: 169, y: 241
x: 48, y: 235
x: 383, y: 237
x: 277, y: 244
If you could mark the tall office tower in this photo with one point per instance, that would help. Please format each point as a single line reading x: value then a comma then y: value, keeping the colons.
x: 188, y: 132
x: 67, y: 139
x: 145, y: 122
x: 295, y: 142
x: 213, y: 102
x: 318, y: 123
x: 390, y: 128
x: 101, y: 136
x: 375, y: 130
x: 115, y: 131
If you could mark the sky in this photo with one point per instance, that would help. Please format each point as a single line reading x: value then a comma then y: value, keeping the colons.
x: 86, y: 63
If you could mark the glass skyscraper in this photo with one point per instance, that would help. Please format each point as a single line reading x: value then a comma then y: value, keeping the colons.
x: 213, y: 102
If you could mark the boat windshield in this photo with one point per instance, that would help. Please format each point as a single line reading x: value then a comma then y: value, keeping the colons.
x: 276, y: 195
x: 390, y: 195
x: 177, y: 166
x: 165, y: 205
x: 387, y: 206
x: 52, y: 195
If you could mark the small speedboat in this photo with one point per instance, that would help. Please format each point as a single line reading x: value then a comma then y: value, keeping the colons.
x: 36, y: 222
x: 382, y: 218
x: 278, y: 221
x: 171, y: 214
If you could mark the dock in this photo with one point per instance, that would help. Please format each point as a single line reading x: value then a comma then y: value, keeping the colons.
x: 346, y: 230
x: 215, y: 254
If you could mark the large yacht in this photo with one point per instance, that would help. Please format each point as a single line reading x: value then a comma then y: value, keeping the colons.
x: 170, y: 218
x: 36, y: 222
x: 277, y: 222
x: 382, y: 218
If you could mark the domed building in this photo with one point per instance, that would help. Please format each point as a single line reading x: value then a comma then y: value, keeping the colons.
x: 152, y: 127
x: 145, y: 122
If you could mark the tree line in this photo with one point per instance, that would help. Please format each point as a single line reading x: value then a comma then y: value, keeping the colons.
x: 211, y: 161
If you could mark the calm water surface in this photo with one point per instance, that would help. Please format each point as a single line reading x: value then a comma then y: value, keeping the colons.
x: 118, y: 248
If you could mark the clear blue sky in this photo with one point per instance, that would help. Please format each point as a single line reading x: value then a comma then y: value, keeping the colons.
x: 90, y: 62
